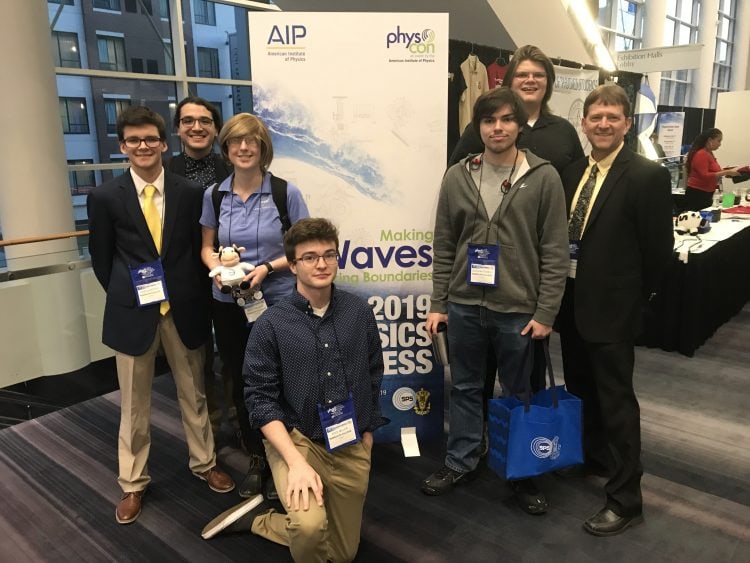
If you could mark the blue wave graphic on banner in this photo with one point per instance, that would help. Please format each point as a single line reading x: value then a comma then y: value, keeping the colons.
x: 291, y: 131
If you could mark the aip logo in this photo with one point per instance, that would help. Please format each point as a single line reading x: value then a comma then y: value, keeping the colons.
x: 544, y: 448
x: 287, y: 34
x: 417, y: 42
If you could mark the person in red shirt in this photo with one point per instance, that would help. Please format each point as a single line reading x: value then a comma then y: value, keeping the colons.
x: 703, y: 170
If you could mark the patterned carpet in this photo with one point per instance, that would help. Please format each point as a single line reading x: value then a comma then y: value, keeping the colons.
x: 59, y: 489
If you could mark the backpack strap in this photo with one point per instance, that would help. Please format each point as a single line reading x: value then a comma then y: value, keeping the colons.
x: 216, y: 197
x: 279, y: 193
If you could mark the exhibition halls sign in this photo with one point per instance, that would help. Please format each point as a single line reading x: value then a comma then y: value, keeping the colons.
x: 355, y: 103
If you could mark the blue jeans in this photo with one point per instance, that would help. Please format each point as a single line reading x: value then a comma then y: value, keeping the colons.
x: 471, y: 330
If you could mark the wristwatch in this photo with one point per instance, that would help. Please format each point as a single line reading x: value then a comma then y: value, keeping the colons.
x: 268, y: 267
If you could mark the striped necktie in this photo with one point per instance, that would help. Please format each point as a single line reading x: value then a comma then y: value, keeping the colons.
x: 153, y: 220
x: 577, y: 218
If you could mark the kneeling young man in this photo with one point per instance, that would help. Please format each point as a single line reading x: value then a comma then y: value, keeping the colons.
x: 313, y: 369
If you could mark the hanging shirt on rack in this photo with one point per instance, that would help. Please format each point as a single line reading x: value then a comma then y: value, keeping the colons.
x: 475, y: 75
x: 495, y: 74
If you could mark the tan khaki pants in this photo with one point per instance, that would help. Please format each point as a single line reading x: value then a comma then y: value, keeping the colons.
x: 136, y: 374
x: 330, y: 532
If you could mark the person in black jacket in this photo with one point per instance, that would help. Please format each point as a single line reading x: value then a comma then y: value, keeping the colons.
x: 145, y: 252
x: 621, y: 240
x: 198, y: 122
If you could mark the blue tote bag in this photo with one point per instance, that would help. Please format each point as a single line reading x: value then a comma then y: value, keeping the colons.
x: 532, y: 436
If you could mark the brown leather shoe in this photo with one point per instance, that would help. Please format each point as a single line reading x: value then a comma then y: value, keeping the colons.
x: 129, y: 507
x: 217, y: 480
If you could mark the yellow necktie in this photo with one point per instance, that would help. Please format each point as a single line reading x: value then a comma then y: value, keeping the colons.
x: 153, y: 220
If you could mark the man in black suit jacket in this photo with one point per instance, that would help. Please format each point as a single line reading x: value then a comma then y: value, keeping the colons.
x: 621, y: 241
x: 144, y: 227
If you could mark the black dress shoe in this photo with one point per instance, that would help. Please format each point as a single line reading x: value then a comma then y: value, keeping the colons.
x: 608, y: 523
x: 528, y: 496
x: 252, y: 484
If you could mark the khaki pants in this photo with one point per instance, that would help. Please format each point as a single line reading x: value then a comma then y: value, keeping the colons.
x: 135, y: 375
x: 330, y: 532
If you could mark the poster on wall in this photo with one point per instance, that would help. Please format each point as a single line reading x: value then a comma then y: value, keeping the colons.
x: 355, y: 103
x: 670, y: 127
x: 572, y: 85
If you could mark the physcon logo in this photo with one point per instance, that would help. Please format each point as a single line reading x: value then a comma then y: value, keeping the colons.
x: 544, y: 448
x: 419, y: 42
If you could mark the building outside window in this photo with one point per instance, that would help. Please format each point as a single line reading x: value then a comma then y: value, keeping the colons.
x: 111, y: 53
x: 73, y: 115
x: 106, y: 4
x: 113, y: 108
x: 208, y: 62
x: 81, y: 181
x: 65, y: 49
x: 204, y: 12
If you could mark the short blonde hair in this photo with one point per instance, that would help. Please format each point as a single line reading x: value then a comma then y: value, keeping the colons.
x: 248, y: 125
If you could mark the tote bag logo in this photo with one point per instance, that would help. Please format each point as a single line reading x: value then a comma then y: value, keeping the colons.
x: 544, y: 448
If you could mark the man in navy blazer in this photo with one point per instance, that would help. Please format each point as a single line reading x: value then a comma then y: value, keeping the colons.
x: 621, y: 241
x: 145, y: 244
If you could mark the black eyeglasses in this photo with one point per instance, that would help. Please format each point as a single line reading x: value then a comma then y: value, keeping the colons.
x: 190, y: 121
x: 311, y: 259
x: 135, y: 142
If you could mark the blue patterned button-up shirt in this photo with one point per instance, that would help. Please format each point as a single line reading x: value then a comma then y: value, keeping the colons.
x: 296, y: 360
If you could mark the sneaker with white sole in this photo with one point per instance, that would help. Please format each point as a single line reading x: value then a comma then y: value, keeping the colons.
x: 239, y: 518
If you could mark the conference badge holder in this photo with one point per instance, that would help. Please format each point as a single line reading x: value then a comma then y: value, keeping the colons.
x: 482, y: 264
x: 148, y: 283
x: 252, y: 303
x: 575, y: 252
x: 339, y: 424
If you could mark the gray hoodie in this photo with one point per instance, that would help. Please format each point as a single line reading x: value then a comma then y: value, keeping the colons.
x: 531, y: 229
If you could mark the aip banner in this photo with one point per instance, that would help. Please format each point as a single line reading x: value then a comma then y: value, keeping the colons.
x: 356, y: 105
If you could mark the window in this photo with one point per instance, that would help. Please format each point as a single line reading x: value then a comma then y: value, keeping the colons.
x: 621, y: 23
x: 65, y: 49
x: 131, y: 6
x: 113, y: 108
x: 136, y: 65
x: 208, y: 62
x: 680, y: 28
x: 204, y: 12
x: 163, y: 9
x: 73, y: 114
x: 724, y: 54
x: 218, y: 107
x: 63, y: 2
x: 152, y: 67
x: 111, y: 53
x: 81, y: 181
x: 107, y: 4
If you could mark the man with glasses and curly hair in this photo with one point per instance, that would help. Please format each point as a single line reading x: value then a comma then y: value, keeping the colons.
x: 313, y: 369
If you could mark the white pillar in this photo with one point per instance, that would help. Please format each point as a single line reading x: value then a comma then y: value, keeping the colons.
x: 655, y: 13
x: 707, y: 37
x: 44, y: 331
x: 34, y: 194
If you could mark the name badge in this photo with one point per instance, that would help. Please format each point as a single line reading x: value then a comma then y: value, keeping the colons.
x: 482, y: 264
x: 575, y: 250
x: 339, y: 423
x: 254, y: 308
x: 148, y: 283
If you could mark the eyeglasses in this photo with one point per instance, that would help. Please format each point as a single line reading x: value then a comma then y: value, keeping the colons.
x: 190, y: 121
x: 237, y: 141
x: 135, y: 142
x: 527, y: 75
x: 311, y: 259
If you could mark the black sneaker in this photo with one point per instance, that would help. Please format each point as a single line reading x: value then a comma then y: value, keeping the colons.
x: 443, y: 479
x: 528, y: 496
x: 253, y: 483
x: 239, y: 518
